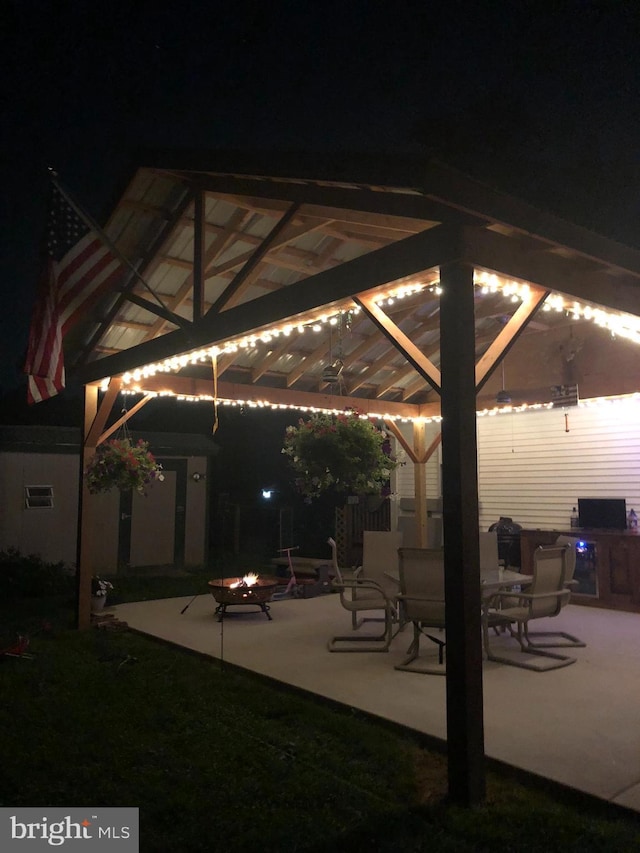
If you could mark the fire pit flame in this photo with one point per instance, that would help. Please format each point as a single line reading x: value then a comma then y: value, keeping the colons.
x: 251, y: 589
x: 248, y: 580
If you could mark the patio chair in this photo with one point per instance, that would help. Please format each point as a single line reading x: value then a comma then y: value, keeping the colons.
x: 572, y: 541
x: 545, y: 597
x: 566, y: 640
x: 370, y: 596
x: 379, y: 564
x: 422, y: 602
x: 489, y: 558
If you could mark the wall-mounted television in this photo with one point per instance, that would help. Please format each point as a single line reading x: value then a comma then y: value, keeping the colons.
x: 602, y: 513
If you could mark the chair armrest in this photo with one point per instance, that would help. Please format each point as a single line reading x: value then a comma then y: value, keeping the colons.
x: 533, y: 596
x: 419, y: 598
x: 361, y: 583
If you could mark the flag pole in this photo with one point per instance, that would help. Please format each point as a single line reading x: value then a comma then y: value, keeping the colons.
x: 93, y: 225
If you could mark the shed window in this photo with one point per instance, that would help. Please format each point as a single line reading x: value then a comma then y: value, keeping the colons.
x: 38, y: 497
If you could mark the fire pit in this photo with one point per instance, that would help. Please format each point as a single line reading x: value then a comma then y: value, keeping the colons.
x: 251, y: 589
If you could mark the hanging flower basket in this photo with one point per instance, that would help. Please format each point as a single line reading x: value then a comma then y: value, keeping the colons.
x: 343, y: 453
x: 122, y: 465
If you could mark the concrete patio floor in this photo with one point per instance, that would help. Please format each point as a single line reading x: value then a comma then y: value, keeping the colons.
x: 579, y: 725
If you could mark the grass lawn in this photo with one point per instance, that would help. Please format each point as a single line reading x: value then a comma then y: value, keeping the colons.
x: 218, y: 760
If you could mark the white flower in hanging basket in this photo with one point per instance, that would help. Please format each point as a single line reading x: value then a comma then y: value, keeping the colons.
x: 122, y: 465
x: 341, y: 453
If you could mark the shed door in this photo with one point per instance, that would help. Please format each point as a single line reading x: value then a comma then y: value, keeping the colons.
x: 152, y: 526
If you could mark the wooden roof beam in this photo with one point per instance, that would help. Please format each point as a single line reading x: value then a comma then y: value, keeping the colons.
x: 401, y: 204
x: 398, y: 378
x: 219, y: 245
x: 93, y: 434
x: 401, y: 226
x: 267, y: 362
x: 291, y: 234
x: 158, y: 310
x: 468, y: 196
x: 241, y: 279
x: 508, y: 336
x: 369, y: 372
x: 160, y: 241
x: 612, y: 289
x: 282, y: 397
x: 405, y: 259
x: 129, y: 413
x: 307, y: 362
x: 402, y: 343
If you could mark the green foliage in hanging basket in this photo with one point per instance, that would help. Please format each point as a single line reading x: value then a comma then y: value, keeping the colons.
x: 122, y: 465
x: 343, y: 453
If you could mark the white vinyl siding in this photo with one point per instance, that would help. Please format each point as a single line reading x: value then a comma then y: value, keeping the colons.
x: 530, y: 468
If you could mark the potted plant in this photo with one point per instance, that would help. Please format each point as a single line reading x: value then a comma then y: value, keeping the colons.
x: 122, y: 465
x: 345, y: 454
x: 99, y: 590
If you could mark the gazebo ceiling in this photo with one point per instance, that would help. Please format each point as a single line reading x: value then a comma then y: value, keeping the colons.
x: 300, y: 285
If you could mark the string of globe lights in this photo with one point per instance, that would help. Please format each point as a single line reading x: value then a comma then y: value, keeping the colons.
x: 618, y: 324
x: 267, y: 405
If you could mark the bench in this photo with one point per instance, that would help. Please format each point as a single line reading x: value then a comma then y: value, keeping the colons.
x: 313, y: 576
x: 302, y: 566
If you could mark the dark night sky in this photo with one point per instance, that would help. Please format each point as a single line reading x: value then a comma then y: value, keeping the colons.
x: 540, y: 97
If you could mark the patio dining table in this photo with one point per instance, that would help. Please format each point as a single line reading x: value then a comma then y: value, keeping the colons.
x: 492, y: 581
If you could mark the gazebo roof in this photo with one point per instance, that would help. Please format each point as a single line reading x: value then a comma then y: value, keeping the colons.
x: 252, y: 280
x: 317, y: 283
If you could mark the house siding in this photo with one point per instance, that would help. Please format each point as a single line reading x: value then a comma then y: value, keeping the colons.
x: 48, y: 457
x: 534, y: 465
x: 49, y: 532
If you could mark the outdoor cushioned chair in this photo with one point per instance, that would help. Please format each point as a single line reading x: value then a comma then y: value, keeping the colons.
x: 357, y: 595
x: 422, y: 602
x: 544, y: 597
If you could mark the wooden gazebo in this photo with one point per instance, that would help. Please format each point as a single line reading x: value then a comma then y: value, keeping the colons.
x: 388, y: 286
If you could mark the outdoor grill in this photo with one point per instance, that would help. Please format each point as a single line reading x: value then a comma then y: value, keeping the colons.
x: 508, y: 533
x: 250, y: 589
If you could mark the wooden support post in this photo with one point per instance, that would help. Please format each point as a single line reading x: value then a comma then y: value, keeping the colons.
x: 198, y: 254
x: 420, y: 483
x: 465, y: 725
x: 84, y: 565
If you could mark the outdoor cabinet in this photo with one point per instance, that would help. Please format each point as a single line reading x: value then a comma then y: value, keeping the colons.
x: 610, y: 565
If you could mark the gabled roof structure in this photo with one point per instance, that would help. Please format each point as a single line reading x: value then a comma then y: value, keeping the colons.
x: 393, y: 287
x: 323, y: 278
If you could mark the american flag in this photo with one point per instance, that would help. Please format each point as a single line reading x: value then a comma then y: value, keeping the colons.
x: 78, y: 268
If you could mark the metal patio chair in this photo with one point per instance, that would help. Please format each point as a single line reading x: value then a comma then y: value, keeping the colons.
x: 422, y: 603
x: 545, y: 597
x: 360, y: 594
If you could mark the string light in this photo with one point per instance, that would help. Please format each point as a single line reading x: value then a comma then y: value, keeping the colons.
x: 618, y: 324
x: 273, y: 406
